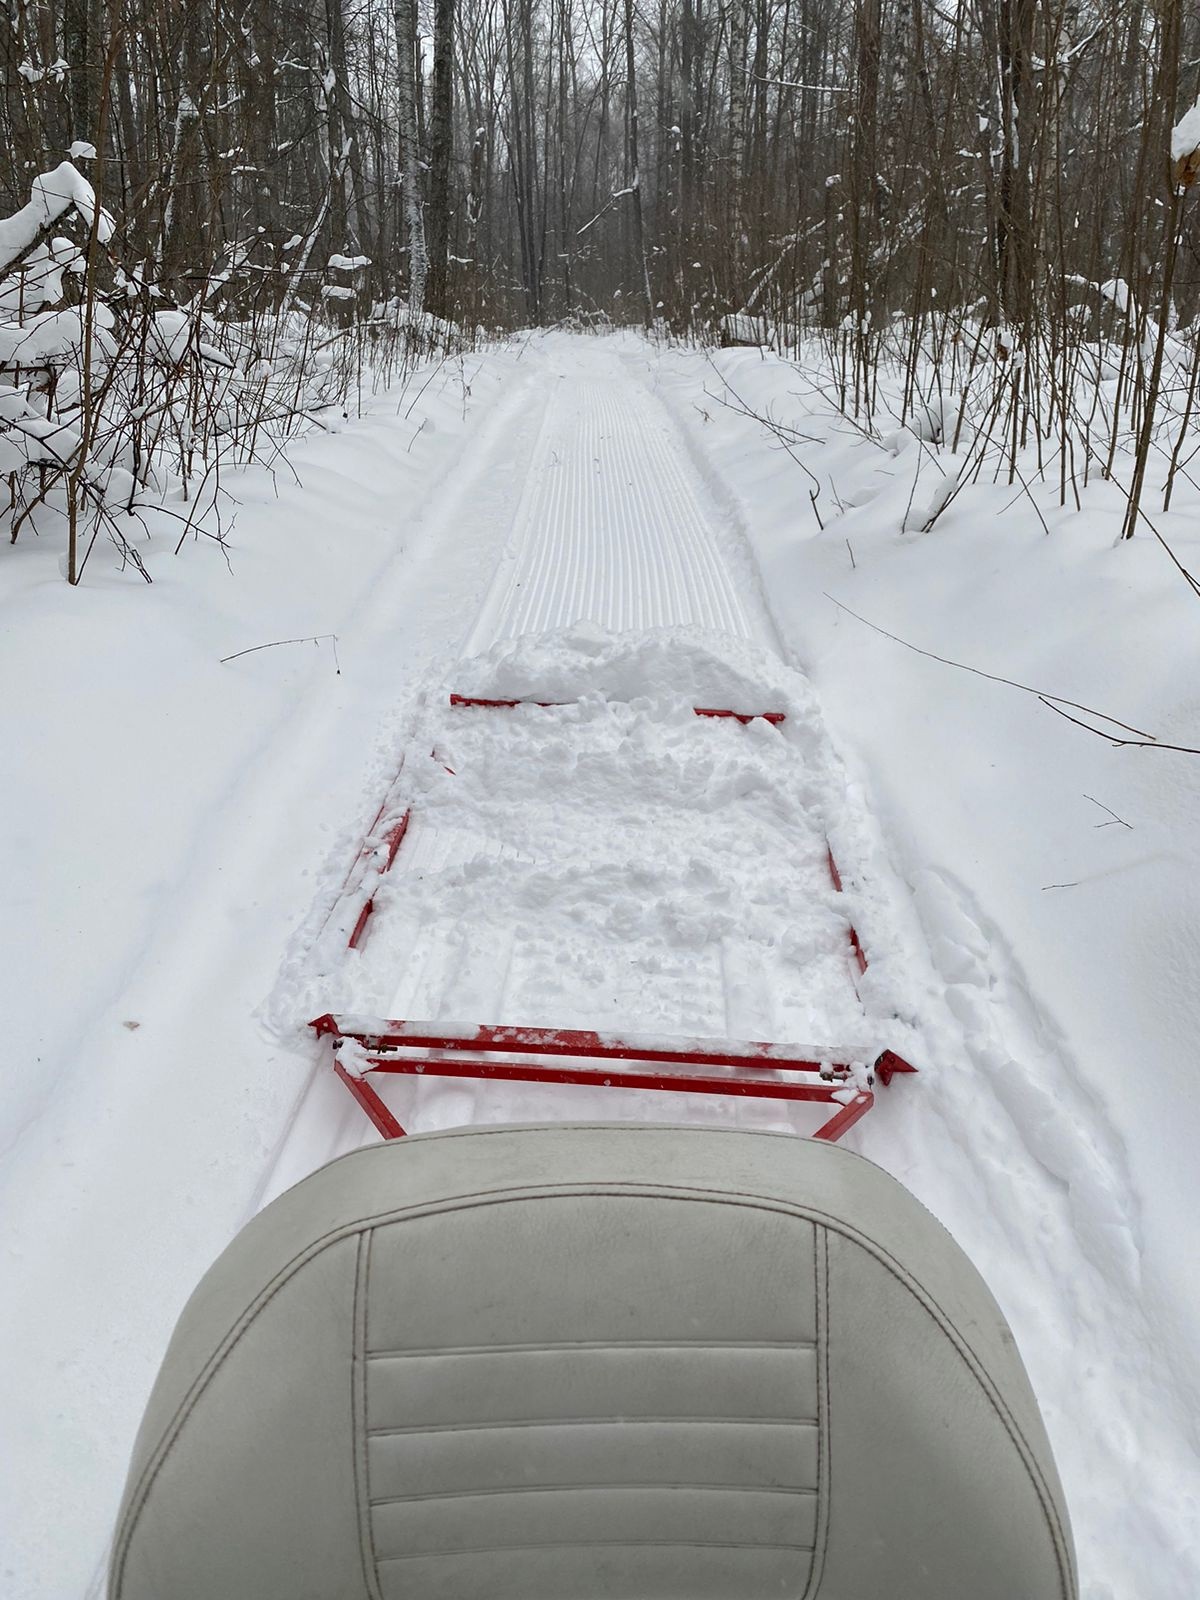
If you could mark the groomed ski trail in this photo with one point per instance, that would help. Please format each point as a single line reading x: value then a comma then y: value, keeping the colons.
x: 611, y: 531
x: 613, y: 528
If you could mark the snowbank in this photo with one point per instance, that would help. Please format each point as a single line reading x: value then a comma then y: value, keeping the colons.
x: 163, y: 811
x: 1056, y: 880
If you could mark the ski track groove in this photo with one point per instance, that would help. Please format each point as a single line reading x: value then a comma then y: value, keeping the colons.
x: 482, y: 630
x: 609, y: 528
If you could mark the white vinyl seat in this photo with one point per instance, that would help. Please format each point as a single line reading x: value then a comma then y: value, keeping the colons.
x: 593, y: 1363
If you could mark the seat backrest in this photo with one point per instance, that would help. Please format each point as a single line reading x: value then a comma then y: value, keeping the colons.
x: 593, y: 1363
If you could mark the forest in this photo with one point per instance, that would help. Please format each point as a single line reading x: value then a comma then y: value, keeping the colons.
x: 262, y: 199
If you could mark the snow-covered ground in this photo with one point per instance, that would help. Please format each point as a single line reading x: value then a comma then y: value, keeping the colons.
x: 179, y: 828
x: 1063, y: 944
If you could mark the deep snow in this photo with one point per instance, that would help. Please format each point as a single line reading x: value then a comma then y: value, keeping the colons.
x: 616, y: 860
x: 1062, y: 944
x: 180, y: 831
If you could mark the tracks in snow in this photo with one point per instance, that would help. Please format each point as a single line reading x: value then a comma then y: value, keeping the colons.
x: 610, y: 528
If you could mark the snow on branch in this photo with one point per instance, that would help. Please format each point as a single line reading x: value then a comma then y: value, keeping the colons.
x: 51, y: 194
x: 1185, y: 135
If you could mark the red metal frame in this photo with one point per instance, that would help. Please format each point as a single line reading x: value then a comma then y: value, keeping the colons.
x: 375, y: 857
x: 392, y: 841
x: 403, y: 1047
x: 773, y: 717
x: 860, y: 956
x: 740, y: 1068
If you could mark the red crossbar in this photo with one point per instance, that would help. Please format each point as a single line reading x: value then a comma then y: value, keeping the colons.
x: 529, y: 1072
x: 379, y: 1035
x: 773, y: 717
x: 401, y: 1047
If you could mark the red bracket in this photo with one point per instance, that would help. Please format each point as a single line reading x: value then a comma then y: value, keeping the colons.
x: 889, y: 1064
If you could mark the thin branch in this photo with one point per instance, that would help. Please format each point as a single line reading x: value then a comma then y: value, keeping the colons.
x: 1116, y: 820
x: 813, y: 88
x: 1054, y: 701
x: 312, y: 638
x: 1147, y: 742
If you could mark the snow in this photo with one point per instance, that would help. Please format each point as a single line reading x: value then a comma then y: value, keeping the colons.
x: 1061, y: 945
x: 593, y: 862
x: 51, y: 195
x: 690, y: 665
x: 47, y: 337
x: 1185, y: 135
x: 1116, y: 290
x: 39, y: 281
x: 172, y: 334
x: 36, y: 439
x: 13, y: 402
x: 57, y: 70
x: 582, y: 520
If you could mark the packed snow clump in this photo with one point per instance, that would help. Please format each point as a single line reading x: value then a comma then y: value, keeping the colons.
x: 1185, y: 136
x: 693, y: 664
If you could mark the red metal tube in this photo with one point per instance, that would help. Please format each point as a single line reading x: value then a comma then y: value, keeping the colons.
x: 382, y: 1119
x: 392, y: 843
x: 846, y: 1117
x: 405, y: 1035
x: 671, y: 1083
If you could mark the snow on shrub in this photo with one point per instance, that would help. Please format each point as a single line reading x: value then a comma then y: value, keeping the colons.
x: 114, y: 404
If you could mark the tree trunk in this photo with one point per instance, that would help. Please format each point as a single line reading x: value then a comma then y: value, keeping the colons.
x: 440, y: 152
x: 635, y: 176
x: 405, y: 13
x: 1014, y: 264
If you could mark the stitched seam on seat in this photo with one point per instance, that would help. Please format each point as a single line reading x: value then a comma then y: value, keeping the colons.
x: 824, y: 1406
x: 594, y: 1422
x: 597, y: 1189
x: 362, y: 1467
x: 189, y: 1402
x: 596, y: 1544
x: 948, y: 1331
x: 587, y: 1488
x: 593, y: 1345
